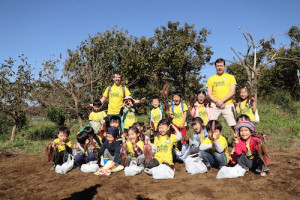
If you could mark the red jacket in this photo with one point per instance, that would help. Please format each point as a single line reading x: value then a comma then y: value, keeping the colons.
x: 240, y: 147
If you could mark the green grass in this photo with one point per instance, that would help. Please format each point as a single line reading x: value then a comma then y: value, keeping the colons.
x: 282, y: 129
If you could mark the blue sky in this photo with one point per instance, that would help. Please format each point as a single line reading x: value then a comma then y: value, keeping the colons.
x: 43, y: 28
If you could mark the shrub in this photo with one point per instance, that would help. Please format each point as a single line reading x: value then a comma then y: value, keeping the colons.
x: 284, y: 100
x: 56, y: 115
x: 42, y: 132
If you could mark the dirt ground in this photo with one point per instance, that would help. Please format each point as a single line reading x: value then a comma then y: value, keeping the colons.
x: 28, y: 177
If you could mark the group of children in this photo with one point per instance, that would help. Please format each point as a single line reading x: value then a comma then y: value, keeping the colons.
x: 119, y: 140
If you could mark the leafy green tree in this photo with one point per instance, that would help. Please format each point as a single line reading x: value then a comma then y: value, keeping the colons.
x: 15, y: 94
x: 181, y: 54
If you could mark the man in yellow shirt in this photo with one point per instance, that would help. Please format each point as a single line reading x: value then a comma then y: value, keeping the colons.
x: 115, y: 95
x: 221, y: 89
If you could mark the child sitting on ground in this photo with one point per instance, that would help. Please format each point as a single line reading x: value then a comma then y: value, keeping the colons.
x: 199, y: 135
x: 127, y: 113
x: 165, y: 142
x: 135, y: 147
x: 214, y: 149
x: 85, y: 149
x: 110, y: 150
x: 63, y: 146
x: 246, y: 148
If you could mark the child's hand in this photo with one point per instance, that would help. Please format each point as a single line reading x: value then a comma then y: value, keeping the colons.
x: 87, y: 141
x: 75, y: 146
x: 62, y: 143
x: 181, y: 125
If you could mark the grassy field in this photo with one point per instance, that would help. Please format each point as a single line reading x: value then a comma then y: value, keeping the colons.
x: 281, y: 126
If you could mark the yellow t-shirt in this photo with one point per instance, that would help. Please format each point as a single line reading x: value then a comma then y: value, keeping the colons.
x: 156, y: 116
x: 61, y: 148
x: 130, y: 119
x: 220, y: 85
x: 164, y: 146
x: 223, y: 142
x: 116, y: 97
x: 97, y: 117
x: 178, y: 114
x: 129, y: 148
x: 202, y: 113
x: 247, y: 111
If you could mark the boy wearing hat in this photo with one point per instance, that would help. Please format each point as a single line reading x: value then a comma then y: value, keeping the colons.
x: 111, y: 149
x: 127, y: 113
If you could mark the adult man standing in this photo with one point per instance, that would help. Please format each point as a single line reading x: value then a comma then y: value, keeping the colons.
x: 115, y: 95
x: 220, y: 89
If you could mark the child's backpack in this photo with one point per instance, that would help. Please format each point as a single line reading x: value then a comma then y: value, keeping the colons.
x: 187, y: 120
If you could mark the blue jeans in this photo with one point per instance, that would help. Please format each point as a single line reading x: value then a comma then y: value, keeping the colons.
x: 216, y: 160
x: 82, y: 159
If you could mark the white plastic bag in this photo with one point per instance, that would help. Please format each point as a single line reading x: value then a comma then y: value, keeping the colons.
x: 133, y: 169
x: 184, y: 153
x: 97, y: 126
x: 91, y: 166
x: 256, y: 116
x: 231, y: 172
x: 195, y: 165
x: 67, y: 166
x: 162, y: 171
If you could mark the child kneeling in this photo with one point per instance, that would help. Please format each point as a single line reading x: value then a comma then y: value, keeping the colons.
x: 214, y: 149
x: 246, y: 148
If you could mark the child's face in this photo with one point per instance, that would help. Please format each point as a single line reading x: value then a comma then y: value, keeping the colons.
x: 110, y: 138
x: 62, y: 136
x: 163, y: 129
x: 244, y: 93
x: 128, y: 103
x: 155, y: 103
x: 133, y: 136
x: 114, y: 124
x: 197, y: 127
x: 245, y: 133
x: 216, y: 134
x: 96, y: 108
x: 201, y: 98
x: 176, y: 99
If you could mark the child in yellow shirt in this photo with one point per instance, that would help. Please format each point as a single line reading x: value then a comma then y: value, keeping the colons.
x: 63, y: 146
x: 135, y: 147
x: 127, y: 113
x: 165, y: 142
x: 247, y: 106
x: 214, y: 149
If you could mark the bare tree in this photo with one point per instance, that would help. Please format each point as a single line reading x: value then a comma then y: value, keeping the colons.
x: 257, y: 57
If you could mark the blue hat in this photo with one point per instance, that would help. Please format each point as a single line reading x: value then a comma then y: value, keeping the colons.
x: 113, y: 131
x: 247, y: 124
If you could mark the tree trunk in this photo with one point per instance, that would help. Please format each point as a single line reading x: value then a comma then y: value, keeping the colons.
x: 79, y: 120
x: 13, y: 133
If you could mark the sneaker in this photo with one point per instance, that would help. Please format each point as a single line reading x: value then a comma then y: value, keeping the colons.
x: 142, y: 167
x: 75, y: 168
x: 208, y: 167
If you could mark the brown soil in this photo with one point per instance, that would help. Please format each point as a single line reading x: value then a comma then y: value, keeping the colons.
x: 28, y: 177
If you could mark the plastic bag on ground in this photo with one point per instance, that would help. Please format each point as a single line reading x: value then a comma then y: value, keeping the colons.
x: 162, y: 171
x: 133, y: 169
x: 92, y: 166
x: 194, y: 165
x: 67, y: 166
x: 231, y: 172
